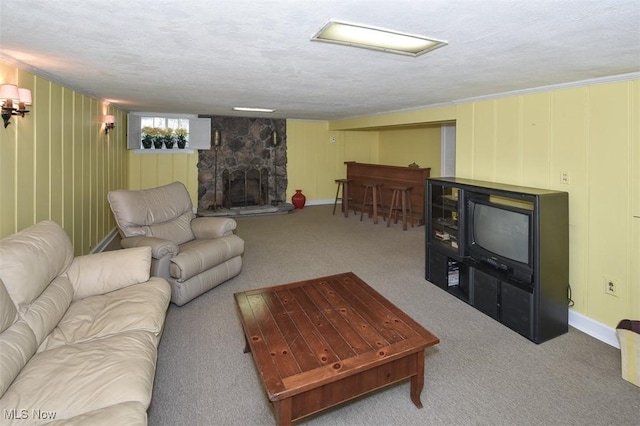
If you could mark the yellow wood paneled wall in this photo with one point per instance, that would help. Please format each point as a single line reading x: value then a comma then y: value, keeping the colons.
x: 360, y: 146
x: 427, y: 115
x: 420, y: 145
x: 316, y: 156
x: 310, y: 157
x: 57, y: 163
x: 151, y: 170
x: 591, y: 133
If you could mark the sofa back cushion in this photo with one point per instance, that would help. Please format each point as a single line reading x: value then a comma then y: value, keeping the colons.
x: 47, y: 310
x: 8, y: 311
x: 17, y: 341
x: 17, y: 346
x: 34, y: 294
x: 20, y: 341
x: 96, y: 274
x: 162, y: 212
x: 31, y: 259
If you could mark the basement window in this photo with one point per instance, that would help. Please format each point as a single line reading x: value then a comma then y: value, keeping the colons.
x: 157, y: 133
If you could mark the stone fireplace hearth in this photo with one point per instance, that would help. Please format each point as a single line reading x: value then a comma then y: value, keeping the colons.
x: 247, y: 172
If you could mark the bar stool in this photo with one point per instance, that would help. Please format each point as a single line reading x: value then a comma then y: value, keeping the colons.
x: 394, y: 207
x: 344, y: 184
x: 376, y: 200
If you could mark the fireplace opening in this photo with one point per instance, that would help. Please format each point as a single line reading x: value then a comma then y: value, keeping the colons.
x: 244, y: 188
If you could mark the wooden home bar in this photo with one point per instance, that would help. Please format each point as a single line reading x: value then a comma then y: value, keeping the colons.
x: 360, y: 174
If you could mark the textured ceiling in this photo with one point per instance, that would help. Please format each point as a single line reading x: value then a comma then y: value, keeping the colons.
x: 205, y: 57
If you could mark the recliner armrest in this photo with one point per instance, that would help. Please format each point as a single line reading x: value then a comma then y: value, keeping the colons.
x: 159, y: 246
x: 212, y: 227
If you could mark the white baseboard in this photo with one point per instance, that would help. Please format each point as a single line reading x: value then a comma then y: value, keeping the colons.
x: 102, y: 245
x: 594, y: 329
x: 320, y: 202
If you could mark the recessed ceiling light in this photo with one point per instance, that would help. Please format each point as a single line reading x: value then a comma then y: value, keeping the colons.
x: 376, y: 39
x: 251, y: 109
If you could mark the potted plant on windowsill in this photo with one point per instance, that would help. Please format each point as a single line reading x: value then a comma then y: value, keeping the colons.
x: 167, y: 136
x: 181, y: 135
x: 158, y: 137
x: 147, y: 137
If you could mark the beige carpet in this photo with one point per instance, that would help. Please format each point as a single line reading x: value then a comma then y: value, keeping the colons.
x: 481, y: 373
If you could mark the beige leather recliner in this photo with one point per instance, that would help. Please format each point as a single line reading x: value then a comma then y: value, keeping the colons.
x: 195, y: 254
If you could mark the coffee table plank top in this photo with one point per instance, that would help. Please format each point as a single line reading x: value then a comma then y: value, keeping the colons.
x: 270, y: 375
x: 313, y: 325
x: 326, y: 308
x: 315, y: 338
x: 309, y: 333
x: 393, y: 329
x: 305, y: 357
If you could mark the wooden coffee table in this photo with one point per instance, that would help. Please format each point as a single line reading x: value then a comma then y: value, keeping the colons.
x: 320, y: 342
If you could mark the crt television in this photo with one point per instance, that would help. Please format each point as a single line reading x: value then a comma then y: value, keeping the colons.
x: 502, y: 236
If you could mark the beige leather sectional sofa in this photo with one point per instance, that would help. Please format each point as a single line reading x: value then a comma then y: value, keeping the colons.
x: 78, y: 336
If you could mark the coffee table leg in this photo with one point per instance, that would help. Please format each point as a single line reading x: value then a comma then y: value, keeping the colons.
x: 417, y: 381
x: 282, y: 410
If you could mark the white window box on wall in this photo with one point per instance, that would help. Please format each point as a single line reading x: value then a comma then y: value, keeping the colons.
x: 162, y: 133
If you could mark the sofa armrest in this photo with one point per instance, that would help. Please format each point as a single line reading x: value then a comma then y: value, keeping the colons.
x: 212, y: 227
x: 159, y: 246
x: 101, y: 273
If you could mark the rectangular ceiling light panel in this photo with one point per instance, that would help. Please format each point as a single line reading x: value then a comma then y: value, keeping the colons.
x: 252, y: 109
x: 376, y: 39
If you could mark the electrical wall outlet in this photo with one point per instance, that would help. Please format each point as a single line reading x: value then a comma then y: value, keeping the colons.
x: 564, y: 177
x: 610, y: 286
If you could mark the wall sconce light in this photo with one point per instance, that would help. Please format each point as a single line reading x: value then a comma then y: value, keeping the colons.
x: 10, y: 95
x: 109, y: 123
x: 274, y: 138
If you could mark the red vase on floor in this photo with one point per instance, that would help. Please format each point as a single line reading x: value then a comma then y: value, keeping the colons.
x: 298, y: 199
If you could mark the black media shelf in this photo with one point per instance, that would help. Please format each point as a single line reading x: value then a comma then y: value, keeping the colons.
x: 534, y: 304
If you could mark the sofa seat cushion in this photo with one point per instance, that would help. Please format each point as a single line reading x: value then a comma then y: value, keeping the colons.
x: 130, y: 413
x: 75, y: 379
x: 200, y: 255
x: 137, y: 307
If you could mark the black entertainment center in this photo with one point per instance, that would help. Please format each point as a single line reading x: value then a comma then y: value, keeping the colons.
x: 503, y: 249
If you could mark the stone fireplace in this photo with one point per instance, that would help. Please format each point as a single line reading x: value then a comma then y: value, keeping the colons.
x: 246, y: 170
